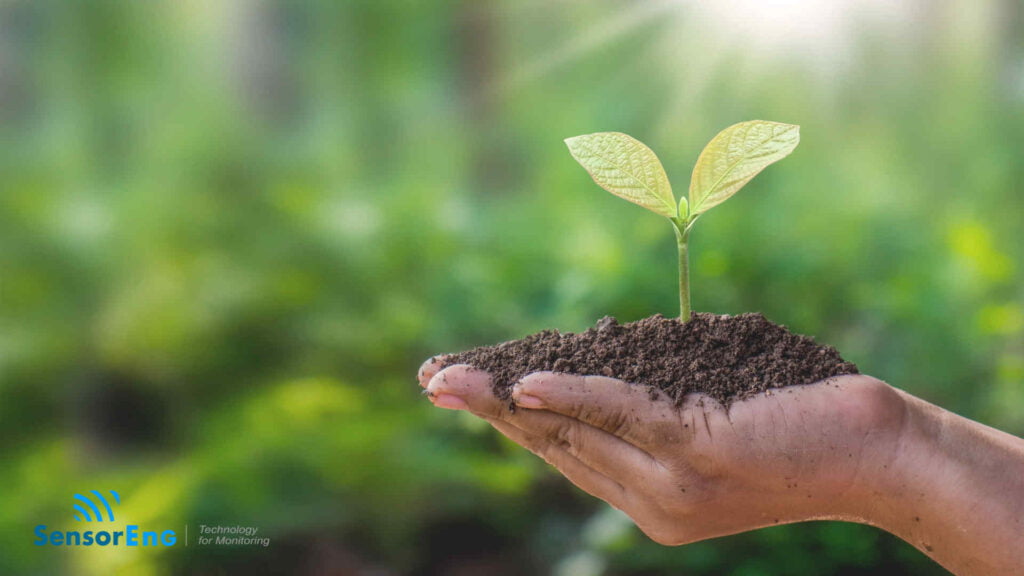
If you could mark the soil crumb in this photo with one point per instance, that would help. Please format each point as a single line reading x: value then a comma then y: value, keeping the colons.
x: 726, y: 357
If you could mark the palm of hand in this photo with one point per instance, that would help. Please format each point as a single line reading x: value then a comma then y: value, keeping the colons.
x: 698, y: 470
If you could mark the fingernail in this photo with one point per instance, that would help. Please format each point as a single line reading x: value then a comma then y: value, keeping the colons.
x: 450, y: 402
x: 527, y: 401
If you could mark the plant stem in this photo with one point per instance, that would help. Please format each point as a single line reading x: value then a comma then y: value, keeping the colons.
x: 682, y: 240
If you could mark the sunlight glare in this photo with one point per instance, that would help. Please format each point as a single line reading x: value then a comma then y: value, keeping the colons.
x: 782, y: 25
x: 822, y: 29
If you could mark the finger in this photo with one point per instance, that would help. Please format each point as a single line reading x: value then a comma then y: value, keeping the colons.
x: 466, y: 388
x: 624, y: 410
x: 428, y: 369
x: 608, y: 454
x: 583, y: 476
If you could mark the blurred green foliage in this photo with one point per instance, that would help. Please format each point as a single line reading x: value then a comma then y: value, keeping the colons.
x: 231, y: 231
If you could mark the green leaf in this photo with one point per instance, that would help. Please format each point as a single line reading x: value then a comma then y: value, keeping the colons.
x: 625, y: 167
x: 684, y: 209
x: 736, y: 155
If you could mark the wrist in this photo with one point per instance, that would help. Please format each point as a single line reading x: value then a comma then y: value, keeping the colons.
x: 950, y: 487
x: 907, y: 469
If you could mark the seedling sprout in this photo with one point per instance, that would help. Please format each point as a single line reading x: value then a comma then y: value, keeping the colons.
x: 629, y: 169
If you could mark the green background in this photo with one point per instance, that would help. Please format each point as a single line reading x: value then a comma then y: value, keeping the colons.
x: 231, y: 231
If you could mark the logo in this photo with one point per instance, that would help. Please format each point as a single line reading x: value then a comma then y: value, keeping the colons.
x: 132, y: 535
x: 95, y: 510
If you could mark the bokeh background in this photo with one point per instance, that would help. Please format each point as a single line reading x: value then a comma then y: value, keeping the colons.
x: 231, y: 231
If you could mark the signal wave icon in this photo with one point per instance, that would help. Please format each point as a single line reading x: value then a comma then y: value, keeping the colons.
x: 83, y: 514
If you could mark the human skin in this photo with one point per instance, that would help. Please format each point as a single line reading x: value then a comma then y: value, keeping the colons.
x: 850, y: 448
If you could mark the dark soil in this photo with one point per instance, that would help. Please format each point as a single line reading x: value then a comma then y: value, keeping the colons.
x: 724, y: 357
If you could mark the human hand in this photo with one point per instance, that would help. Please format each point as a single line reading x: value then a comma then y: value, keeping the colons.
x: 698, y: 470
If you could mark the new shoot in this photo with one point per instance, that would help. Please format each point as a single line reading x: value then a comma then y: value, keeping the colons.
x: 627, y: 168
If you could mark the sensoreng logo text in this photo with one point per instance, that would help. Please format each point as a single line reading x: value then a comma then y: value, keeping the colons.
x: 132, y: 535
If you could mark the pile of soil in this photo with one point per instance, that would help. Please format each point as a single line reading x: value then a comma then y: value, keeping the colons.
x: 726, y: 357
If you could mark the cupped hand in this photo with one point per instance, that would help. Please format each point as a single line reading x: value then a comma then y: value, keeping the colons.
x: 698, y: 470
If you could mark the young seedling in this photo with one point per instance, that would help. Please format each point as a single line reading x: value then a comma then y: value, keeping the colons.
x: 627, y: 168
